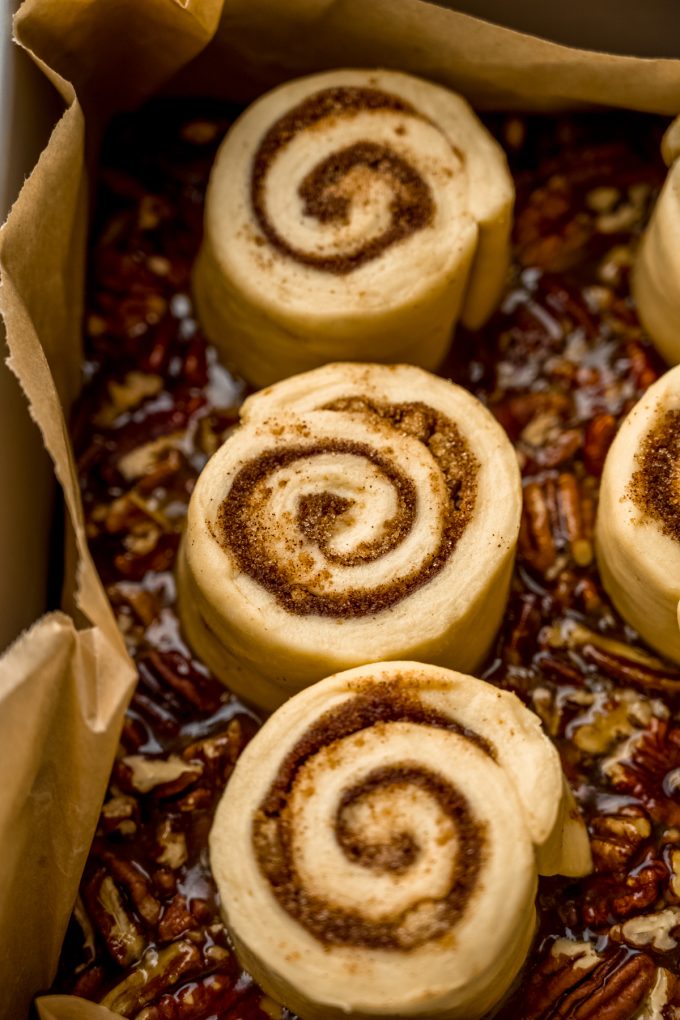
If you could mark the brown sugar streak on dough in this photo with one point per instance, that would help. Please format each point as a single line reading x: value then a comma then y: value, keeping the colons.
x: 238, y: 526
x: 655, y: 486
x: 442, y: 437
x: 411, y: 209
x: 377, y: 706
x: 237, y: 520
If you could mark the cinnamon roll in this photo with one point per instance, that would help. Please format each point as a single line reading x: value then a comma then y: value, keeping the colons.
x: 638, y: 523
x: 351, y: 214
x: 377, y: 848
x: 359, y: 513
x: 656, y: 273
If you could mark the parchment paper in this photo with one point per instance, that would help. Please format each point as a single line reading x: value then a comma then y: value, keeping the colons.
x: 64, y: 685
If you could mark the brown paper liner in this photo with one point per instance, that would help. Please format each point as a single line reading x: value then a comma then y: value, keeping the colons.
x: 63, y: 690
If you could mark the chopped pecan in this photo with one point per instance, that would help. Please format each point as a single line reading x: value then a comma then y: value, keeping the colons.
x: 610, y: 718
x: 165, y: 880
x: 615, y: 838
x: 144, y: 459
x: 176, y: 919
x: 136, y: 387
x: 162, y: 473
x: 535, y: 538
x: 672, y: 857
x: 548, y: 231
x: 559, y: 449
x: 622, y: 662
x: 157, y: 972
x: 641, y: 365
x: 160, y: 556
x: 166, y: 775
x: 203, y: 913
x: 218, y: 754
x: 552, y: 706
x: 655, y: 930
x: 120, y: 814
x: 556, y: 519
x: 142, y: 602
x: 609, y: 899
x: 171, y: 844
x: 629, y: 665
x: 569, y: 503
x: 151, y: 211
x: 191, y: 684
x: 131, y: 876
x: 662, y: 1003
x: 642, y: 766
x: 533, y: 412
x: 599, y: 435
x: 524, y: 629
x: 142, y: 538
x: 577, y: 987
x: 209, y: 997
x: 198, y: 799
x: 120, y: 932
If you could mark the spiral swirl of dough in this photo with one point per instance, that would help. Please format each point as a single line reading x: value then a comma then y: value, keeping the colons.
x: 347, y: 522
x: 351, y: 214
x: 395, y: 814
x: 638, y: 523
x: 329, y: 188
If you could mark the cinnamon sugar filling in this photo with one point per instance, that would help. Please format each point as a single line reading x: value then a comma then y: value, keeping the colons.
x: 344, y: 176
x: 655, y: 486
x: 274, y: 822
x: 240, y: 528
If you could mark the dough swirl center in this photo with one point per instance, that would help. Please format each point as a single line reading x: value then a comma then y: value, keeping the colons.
x: 344, y: 177
x: 306, y: 521
x: 408, y: 826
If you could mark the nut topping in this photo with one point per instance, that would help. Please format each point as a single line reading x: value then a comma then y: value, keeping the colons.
x: 573, y: 986
x: 654, y: 930
x: 158, y: 971
x: 615, y: 839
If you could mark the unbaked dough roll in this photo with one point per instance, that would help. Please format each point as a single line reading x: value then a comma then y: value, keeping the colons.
x: 377, y: 847
x: 351, y: 214
x: 638, y: 523
x: 360, y: 513
x: 656, y: 273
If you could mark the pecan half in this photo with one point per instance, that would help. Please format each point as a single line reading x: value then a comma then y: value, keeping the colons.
x: 615, y: 838
x: 608, y: 899
x: 156, y: 973
x: 176, y: 919
x: 656, y: 930
x: 131, y: 876
x: 119, y: 930
x: 573, y: 988
x: 210, y: 997
x: 644, y: 766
